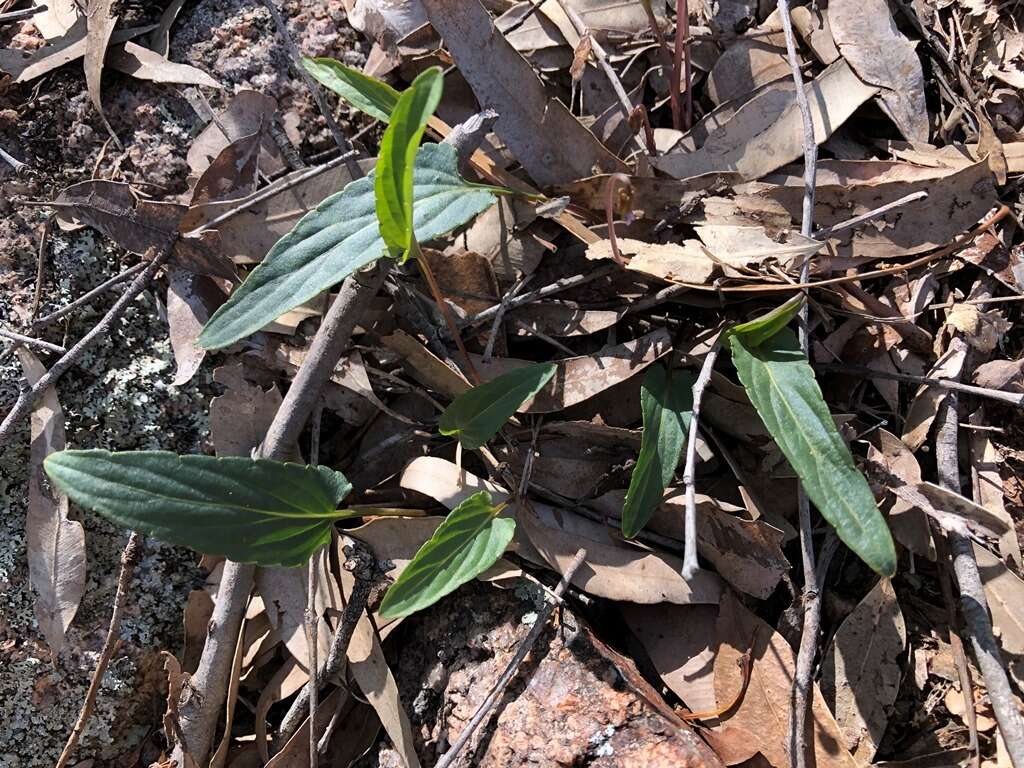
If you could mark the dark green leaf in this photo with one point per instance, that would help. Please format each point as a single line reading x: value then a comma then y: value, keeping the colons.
x: 477, y: 415
x: 757, y: 331
x: 340, y: 237
x: 393, y: 174
x: 367, y: 94
x: 667, y: 405
x: 252, y: 511
x: 466, y: 544
x: 782, y: 387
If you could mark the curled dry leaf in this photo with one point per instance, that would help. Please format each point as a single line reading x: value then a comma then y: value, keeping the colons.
x: 247, y: 113
x: 285, y: 597
x: 233, y: 172
x: 951, y: 510
x: 145, y: 64
x: 981, y: 329
x: 580, y: 378
x: 549, y: 142
x: 748, y: 64
x: 760, y: 723
x: 191, y: 299
x: 1004, y: 375
x: 861, y: 672
x: 867, y: 37
x: 56, y: 545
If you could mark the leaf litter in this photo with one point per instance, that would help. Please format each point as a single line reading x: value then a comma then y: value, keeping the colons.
x: 702, y: 235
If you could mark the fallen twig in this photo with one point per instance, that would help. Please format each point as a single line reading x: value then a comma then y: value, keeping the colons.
x: 129, y: 559
x: 25, y: 13
x: 681, y: 64
x: 812, y: 583
x: 37, y: 292
x: 28, y: 398
x: 690, y: 565
x: 364, y: 568
x: 973, y: 603
x: 881, y: 210
x: 85, y: 298
x: 28, y: 340
x: 953, y: 385
x: 484, y: 710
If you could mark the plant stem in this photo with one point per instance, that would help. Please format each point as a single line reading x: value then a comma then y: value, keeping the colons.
x: 681, y: 64
x: 129, y: 560
x: 690, y: 565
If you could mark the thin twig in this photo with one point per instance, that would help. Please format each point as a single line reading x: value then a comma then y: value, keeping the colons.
x: 681, y: 63
x: 85, y: 298
x: 129, y: 559
x: 499, y: 316
x: 37, y: 292
x: 364, y: 568
x: 311, y: 617
x: 881, y: 210
x: 812, y: 584
x: 318, y: 94
x: 690, y: 565
x: 16, y: 164
x: 25, y: 13
x: 28, y: 398
x: 484, y: 710
x: 666, y: 58
x: 953, y: 385
x: 973, y: 603
x: 558, y: 286
x: 32, y: 342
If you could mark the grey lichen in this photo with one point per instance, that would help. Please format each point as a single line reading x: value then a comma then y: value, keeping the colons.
x: 118, y: 397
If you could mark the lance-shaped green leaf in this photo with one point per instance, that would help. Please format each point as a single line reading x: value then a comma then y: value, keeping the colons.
x: 252, y: 511
x: 757, y: 331
x: 782, y: 387
x: 340, y: 237
x: 393, y: 174
x: 367, y: 94
x: 477, y: 415
x: 466, y: 544
x: 667, y: 406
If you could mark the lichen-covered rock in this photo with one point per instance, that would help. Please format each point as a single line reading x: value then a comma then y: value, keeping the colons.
x: 568, y: 706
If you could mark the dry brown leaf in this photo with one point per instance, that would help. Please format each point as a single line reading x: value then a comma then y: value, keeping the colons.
x: 987, y: 484
x: 23, y: 66
x: 878, y: 52
x: 145, y: 64
x: 233, y: 173
x: 427, y: 367
x: 951, y: 510
x: 196, y: 621
x: 463, y: 277
x: 760, y: 723
x: 648, y: 197
x: 765, y: 134
x: 982, y: 330
x: 748, y: 64
x: 925, y: 405
x: 680, y: 640
x: 56, y: 18
x: 100, y: 21
x: 684, y: 262
x: 613, y: 569
x: 552, y: 28
x: 55, y: 545
x: 567, y: 466
x: 908, y: 523
x: 812, y: 25
x: 357, y: 728
x: 377, y: 683
x: 861, y: 673
x: 561, y: 320
x: 285, y: 596
x: 1005, y: 375
x: 1005, y: 593
x: 508, y: 236
x: 549, y: 142
x: 247, y: 113
x: 221, y: 754
x: 160, y: 40
x: 191, y: 299
x: 580, y: 378
x: 240, y: 417
x: 395, y: 540
x: 339, y: 396
x: 285, y: 682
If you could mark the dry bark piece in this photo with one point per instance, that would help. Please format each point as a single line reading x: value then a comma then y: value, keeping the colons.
x: 760, y: 723
x: 551, y: 144
x: 861, y: 673
x: 764, y: 134
x: 55, y: 545
x: 880, y: 54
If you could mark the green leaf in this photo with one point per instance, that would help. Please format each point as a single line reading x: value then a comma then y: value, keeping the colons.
x: 667, y: 405
x: 782, y: 387
x: 477, y: 415
x: 393, y: 174
x: 250, y: 510
x: 340, y: 237
x: 466, y: 544
x: 367, y: 94
x: 757, y: 331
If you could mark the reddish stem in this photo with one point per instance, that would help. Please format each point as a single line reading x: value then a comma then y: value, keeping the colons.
x: 681, y: 62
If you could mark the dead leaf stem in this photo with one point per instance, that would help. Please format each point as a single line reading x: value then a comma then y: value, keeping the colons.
x: 129, y: 559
